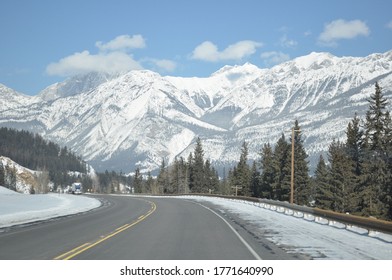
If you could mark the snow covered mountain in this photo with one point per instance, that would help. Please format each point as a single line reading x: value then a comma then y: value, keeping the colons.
x: 138, y: 118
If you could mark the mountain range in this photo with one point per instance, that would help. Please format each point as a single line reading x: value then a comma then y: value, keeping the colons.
x: 119, y: 122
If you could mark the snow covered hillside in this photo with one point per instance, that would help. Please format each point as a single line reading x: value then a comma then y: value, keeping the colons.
x: 26, y: 179
x: 136, y: 119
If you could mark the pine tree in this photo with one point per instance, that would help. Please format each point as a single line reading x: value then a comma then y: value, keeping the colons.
x: 387, y: 199
x: 354, y: 149
x: 301, y: 169
x: 162, y: 179
x: 149, y: 183
x: 138, y: 181
x: 211, y: 177
x: 268, y: 173
x: 255, y: 181
x: 374, y: 188
x: 242, y: 176
x: 197, y: 177
x: 354, y: 144
x: 375, y: 182
x: 338, y: 173
x: 376, y: 118
x: 323, y: 195
x: 178, y: 177
x: 342, y: 178
x: 281, y: 187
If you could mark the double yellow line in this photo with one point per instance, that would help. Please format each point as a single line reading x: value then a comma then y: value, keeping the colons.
x: 78, y: 250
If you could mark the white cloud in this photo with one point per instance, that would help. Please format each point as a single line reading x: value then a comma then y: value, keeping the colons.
x: 208, y: 51
x: 111, y: 58
x: 165, y: 65
x: 273, y: 58
x: 389, y: 25
x: 84, y: 62
x: 122, y: 42
x: 342, y: 29
x: 287, y: 43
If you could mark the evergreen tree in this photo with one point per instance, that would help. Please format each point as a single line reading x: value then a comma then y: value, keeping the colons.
x: 375, y: 183
x: 197, y: 176
x: 212, y: 178
x: 374, y: 188
x: 354, y: 149
x: 268, y: 173
x: 301, y: 169
x: 342, y: 178
x: 178, y: 177
x: 323, y: 195
x: 242, y: 175
x: 255, y: 181
x: 138, y: 181
x: 281, y: 187
x: 354, y: 145
x: 387, y: 199
x: 162, y: 179
x: 149, y: 183
x: 376, y: 120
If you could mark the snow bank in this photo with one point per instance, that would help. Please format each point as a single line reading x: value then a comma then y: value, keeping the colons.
x: 307, y: 235
x: 16, y: 208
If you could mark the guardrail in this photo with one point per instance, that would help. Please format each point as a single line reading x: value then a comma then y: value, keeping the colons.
x: 370, y: 224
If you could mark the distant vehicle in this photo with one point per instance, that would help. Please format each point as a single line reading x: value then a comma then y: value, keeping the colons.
x: 76, y: 188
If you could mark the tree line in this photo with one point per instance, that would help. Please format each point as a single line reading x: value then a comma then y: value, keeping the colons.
x: 356, y: 177
x: 359, y: 176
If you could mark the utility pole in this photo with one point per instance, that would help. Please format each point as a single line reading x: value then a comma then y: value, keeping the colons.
x: 292, y: 165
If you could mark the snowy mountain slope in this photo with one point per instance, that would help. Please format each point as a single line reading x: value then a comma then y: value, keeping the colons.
x: 206, y: 92
x: 138, y: 118
x: 11, y: 99
x: 300, y: 84
x: 75, y: 85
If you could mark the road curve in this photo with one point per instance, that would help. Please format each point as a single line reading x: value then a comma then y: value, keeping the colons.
x: 128, y: 227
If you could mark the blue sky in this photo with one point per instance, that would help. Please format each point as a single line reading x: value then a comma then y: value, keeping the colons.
x: 45, y: 41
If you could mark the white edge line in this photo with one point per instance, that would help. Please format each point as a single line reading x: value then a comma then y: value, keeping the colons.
x: 253, y: 252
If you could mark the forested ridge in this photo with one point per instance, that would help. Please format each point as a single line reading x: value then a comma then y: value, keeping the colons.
x: 34, y: 152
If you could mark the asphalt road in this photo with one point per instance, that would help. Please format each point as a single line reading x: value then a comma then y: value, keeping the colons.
x: 127, y: 227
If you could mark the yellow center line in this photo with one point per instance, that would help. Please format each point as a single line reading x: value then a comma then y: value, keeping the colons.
x: 78, y: 250
x: 122, y: 227
x: 70, y: 252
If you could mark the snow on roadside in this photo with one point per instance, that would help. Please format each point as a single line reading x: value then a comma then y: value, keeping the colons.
x: 16, y: 208
x: 306, y: 235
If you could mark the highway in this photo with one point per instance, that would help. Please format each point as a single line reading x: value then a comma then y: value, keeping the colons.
x: 142, y: 228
